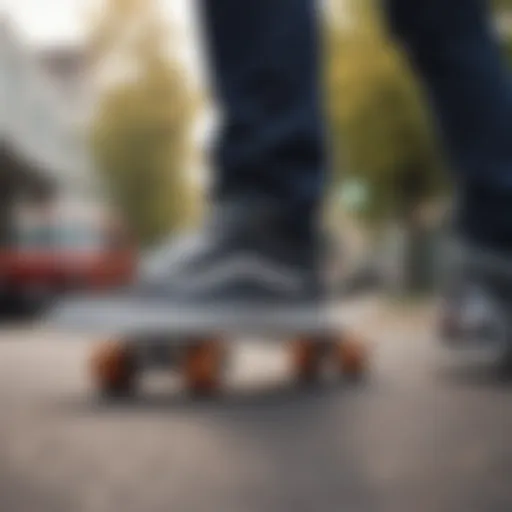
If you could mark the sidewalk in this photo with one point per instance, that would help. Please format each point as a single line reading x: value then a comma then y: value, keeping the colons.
x: 372, y: 315
x: 407, y: 315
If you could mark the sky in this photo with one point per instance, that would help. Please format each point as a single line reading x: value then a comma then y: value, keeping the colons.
x: 49, y: 22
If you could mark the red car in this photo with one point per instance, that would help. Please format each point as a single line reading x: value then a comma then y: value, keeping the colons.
x: 52, y: 251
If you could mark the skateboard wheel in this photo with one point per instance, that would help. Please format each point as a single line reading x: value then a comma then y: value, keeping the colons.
x: 306, y: 358
x: 203, y: 365
x: 352, y: 358
x: 113, y: 369
x: 504, y: 366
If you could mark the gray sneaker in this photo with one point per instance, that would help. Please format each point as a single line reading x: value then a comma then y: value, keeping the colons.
x: 477, y: 300
x: 245, y: 269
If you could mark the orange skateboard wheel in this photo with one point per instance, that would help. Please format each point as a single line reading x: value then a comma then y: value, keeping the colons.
x: 306, y: 355
x: 202, y: 367
x: 352, y: 357
x: 112, y: 367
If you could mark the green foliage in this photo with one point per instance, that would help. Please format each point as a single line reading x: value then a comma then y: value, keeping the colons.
x: 502, y: 4
x: 382, y: 134
x: 141, y: 130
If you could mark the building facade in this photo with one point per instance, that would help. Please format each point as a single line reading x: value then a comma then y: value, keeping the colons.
x: 43, y: 147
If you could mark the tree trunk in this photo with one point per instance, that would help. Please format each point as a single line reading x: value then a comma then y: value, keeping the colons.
x: 416, y: 272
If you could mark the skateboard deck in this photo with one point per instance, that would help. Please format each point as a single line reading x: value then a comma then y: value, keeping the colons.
x: 148, y: 318
x: 132, y: 337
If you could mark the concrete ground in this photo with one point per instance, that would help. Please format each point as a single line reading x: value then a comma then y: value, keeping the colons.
x: 423, y: 434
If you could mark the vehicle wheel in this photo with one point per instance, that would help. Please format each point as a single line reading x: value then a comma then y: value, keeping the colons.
x: 203, y: 366
x: 306, y: 360
x: 114, y: 369
x: 352, y: 358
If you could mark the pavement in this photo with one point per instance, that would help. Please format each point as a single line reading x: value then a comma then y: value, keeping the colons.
x: 424, y: 433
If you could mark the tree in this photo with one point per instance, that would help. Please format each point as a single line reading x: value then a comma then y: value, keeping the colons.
x: 381, y: 129
x: 141, y: 128
x: 382, y: 133
x: 504, y: 15
x: 502, y: 5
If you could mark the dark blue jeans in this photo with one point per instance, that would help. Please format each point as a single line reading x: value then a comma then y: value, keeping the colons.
x: 266, y: 55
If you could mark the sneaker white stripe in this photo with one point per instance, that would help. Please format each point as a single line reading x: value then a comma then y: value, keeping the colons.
x: 243, y: 268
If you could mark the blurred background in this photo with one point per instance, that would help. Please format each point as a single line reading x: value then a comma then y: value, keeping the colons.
x: 107, y: 124
x: 106, y: 127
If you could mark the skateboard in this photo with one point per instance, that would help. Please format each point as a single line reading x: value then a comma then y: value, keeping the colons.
x: 197, y: 345
x: 116, y: 365
x: 477, y: 331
